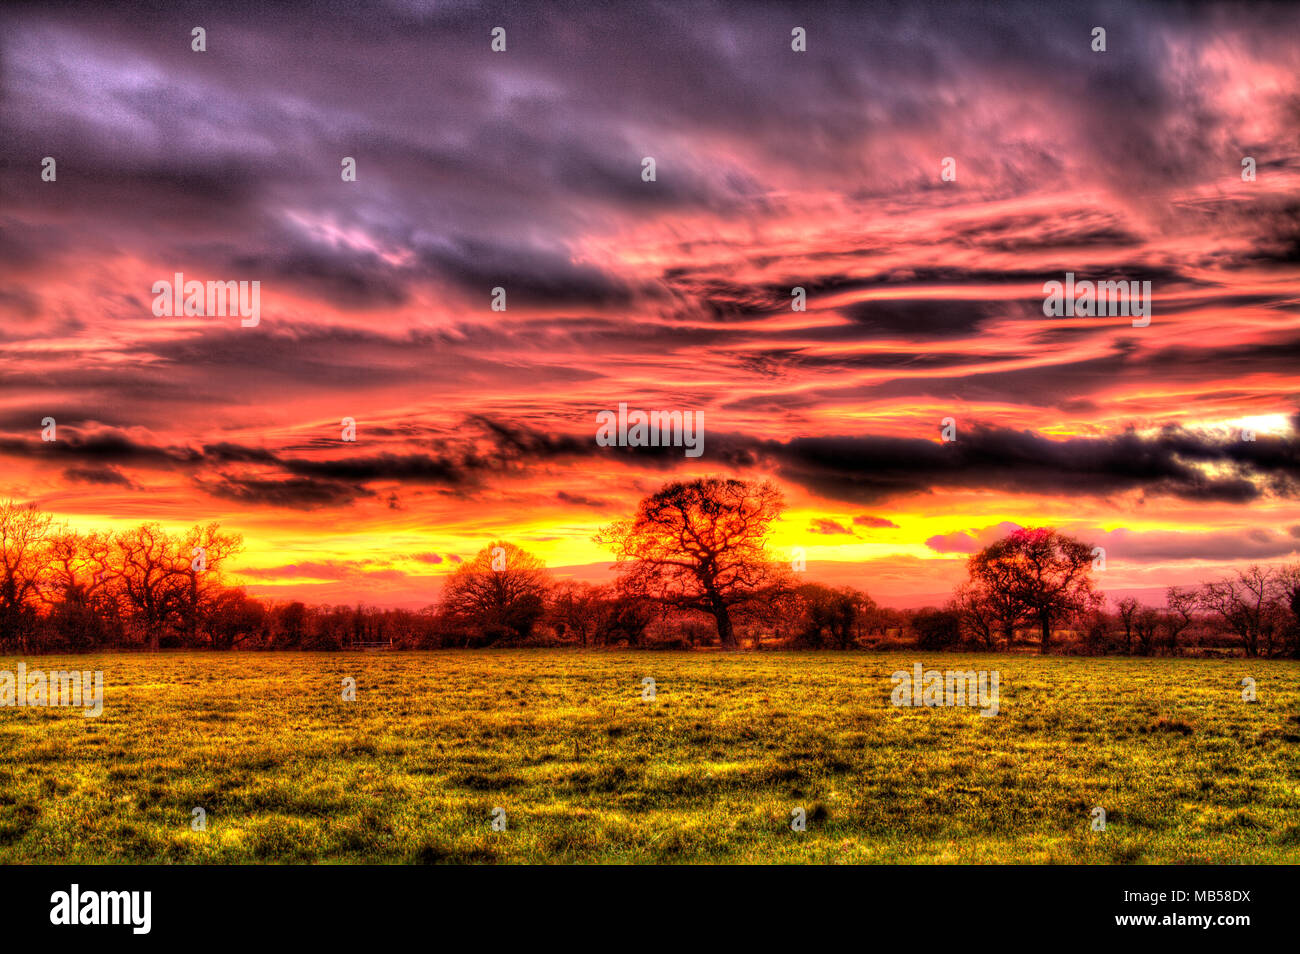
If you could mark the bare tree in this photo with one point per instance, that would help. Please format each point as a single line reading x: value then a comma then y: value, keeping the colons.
x: 499, y: 595
x: 624, y: 615
x: 199, y: 578
x: 1095, y: 625
x: 700, y: 545
x: 1180, y: 604
x: 575, y: 607
x: 83, y: 609
x: 146, y: 565
x: 1127, y: 610
x: 1289, y: 582
x: 979, y: 613
x: 829, y: 615
x: 26, y: 557
x: 232, y: 617
x: 1145, y: 624
x: 1038, y: 573
x: 777, y: 611
x: 1249, y: 605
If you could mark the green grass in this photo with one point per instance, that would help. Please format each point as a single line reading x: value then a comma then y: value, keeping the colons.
x: 708, y: 772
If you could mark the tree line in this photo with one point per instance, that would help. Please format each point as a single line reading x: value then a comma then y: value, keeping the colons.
x: 694, y: 568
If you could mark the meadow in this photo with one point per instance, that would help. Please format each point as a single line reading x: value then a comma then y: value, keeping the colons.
x: 709, y: 770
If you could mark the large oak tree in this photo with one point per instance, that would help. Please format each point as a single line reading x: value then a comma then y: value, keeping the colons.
x: 1040, y: 573
x: 499, y: 595
x: 700, y: 545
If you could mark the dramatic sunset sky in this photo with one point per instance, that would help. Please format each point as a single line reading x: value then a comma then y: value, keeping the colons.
x: 522, y: 170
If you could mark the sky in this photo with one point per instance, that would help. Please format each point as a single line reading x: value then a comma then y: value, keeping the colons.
x: 523, y: 170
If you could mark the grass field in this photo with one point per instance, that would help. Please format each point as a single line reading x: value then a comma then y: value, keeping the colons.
x: 707, y: 772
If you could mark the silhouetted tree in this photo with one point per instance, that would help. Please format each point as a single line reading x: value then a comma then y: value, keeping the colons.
x: 978, y: 613
x: 1126, y: 610
x: 700, y: 545
x: 499, y: 595
x: 575, y: 609
x: 1249, y: 605
x: 199, y: 580
x: 83, y: 609
x: 26, y: 556
x: 145, y: 565
x: 290, y: 622
x: 829, y: 616
x: 994, y: 591
x: 937, y: 629
x: 1289, y: 582
x: 233, y: 618
x: 1145, y: 624
x: 624, y: 616
x: 1180, y: 604
x: 1040, y: 572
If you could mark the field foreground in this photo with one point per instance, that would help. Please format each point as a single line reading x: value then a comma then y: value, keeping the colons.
x: 710, y: 770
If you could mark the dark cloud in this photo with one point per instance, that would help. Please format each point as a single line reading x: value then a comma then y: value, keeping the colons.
x: 579, y: 500
x: 108, y: 476
x: 102, y: 448
x: 868, y: 469
x: 531, y: 277
x: 293, y: 493
x: 1177, y: 462
x: 825, y: 525
x: 347, y: 279
x: 900, y: 317
x: 878, y: 523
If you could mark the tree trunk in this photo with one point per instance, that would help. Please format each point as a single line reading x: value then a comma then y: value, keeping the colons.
x: 1046, y: 622
x: 726, y: 635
